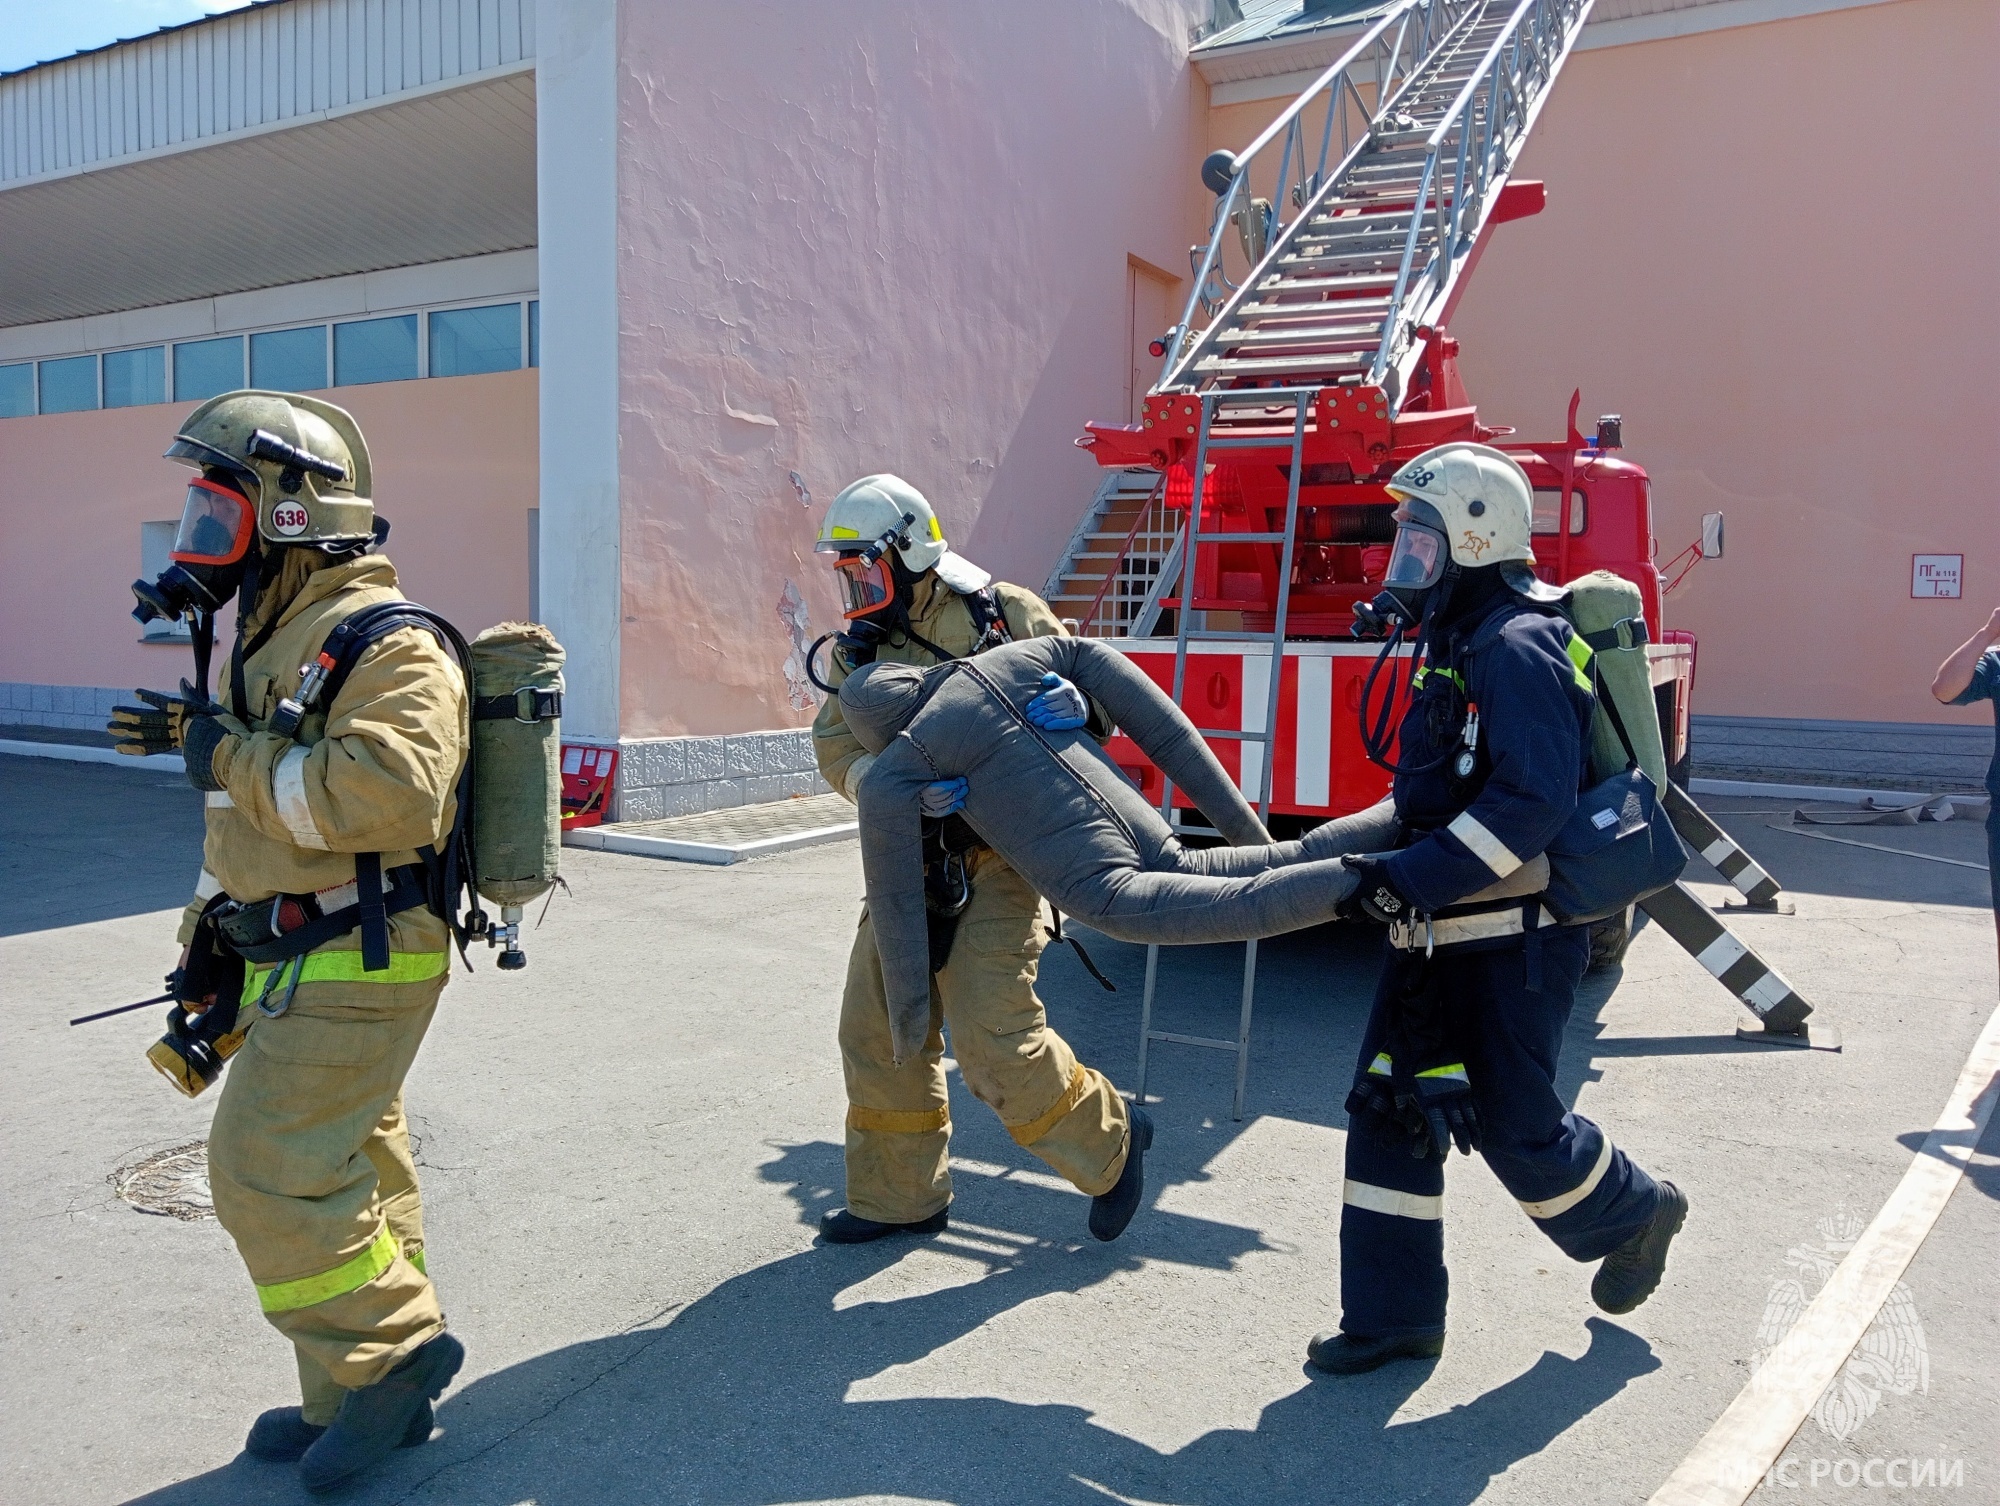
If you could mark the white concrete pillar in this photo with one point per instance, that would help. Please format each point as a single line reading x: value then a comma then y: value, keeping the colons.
x: 576, y: 165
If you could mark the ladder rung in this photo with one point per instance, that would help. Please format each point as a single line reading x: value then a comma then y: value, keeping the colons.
x: 1352, y: 360
x: 1224, y: 635
x: 1192, y: 1040
x: 1187, y: 830
x: 1234, y: 737
x: 1237, y: 538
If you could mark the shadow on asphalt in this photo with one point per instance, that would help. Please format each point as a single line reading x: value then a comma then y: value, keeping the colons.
x: 1808, y: 865
x: 82, y: 842
x: 744, y: 1396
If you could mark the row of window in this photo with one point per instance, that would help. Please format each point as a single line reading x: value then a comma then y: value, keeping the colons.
x: 396, y: 348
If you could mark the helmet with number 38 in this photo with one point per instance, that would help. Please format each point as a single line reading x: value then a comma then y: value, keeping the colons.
x: 301, y: 463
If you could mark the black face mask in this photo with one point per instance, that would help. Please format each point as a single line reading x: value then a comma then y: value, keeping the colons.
x: 180, y: 589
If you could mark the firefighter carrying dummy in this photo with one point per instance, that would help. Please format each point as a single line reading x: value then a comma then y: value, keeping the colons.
x: 336, y: 818
x: 1478, y: 980
x: 910, y: 600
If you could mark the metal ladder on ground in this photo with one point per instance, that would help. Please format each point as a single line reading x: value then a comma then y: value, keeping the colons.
x: 1261, y: 408
x: 1384, y: 225
x: 1341, y: 293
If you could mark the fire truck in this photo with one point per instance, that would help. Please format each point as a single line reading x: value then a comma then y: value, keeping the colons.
x: 1244, y: 513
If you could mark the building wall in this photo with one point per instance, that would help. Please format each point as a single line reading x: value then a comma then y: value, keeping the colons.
x: 852, y: 239
x: 1777, y: 292
x: 455, y: 466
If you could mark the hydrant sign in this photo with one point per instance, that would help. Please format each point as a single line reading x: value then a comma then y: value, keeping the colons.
x: 1941, y: 575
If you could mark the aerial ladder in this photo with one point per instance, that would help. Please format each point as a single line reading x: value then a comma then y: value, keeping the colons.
x: 1353, y: 222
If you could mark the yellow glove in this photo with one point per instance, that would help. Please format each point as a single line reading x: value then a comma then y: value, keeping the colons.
x: 160, y: 726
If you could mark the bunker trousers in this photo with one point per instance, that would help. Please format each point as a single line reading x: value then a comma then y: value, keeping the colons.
x: 312, y: 1174
x: 899, y: 1118
x: 1584, y: 1193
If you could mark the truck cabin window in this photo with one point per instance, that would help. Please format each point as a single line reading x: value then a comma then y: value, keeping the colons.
x: 1548, y: 509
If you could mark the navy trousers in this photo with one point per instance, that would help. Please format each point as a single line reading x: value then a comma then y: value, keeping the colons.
x: 1582, y: 1191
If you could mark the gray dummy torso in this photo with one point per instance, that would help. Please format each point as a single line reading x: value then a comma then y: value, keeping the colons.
x: 1055, y: 806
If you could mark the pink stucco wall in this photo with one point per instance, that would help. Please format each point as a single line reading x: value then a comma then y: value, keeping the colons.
x: 891, y: 237
x: 1748, y: 254
x: 455, y: 474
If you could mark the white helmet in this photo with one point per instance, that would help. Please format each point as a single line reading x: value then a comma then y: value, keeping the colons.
x: 883, y: 512
x: 1479, y: 498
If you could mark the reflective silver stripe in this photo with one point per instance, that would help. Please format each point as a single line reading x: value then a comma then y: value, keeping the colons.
x: 1489, y: 849
x: 207, y: 886
x: 288, y: 791
x: 1555, y: 1205
x: 1716, y: 851
x: 1387, y: 1200
x: 218, y: 800
x: 1408, y: 935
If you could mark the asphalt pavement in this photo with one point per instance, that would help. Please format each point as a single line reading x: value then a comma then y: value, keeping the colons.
x: 625, y: 1147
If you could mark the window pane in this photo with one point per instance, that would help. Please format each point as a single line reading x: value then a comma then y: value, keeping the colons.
x: 132, y: 377
x: 69, y: 386
x: 17, y: 390
x: 289, y: 360
x: 534, y: 331
x: 1548, y: 510
x: 465, y: 342
x: 375, y: 350
x: 208, y: 368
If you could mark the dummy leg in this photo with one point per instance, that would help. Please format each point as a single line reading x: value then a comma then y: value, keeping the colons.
x: 1068, y: 1114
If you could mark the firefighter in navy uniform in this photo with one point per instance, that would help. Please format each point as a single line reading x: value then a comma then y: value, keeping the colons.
x: 1462, y: 1043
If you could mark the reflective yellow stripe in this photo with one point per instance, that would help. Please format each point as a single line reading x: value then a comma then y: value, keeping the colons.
x: 348, y: 1276
x: 898, y: 1121
x: 1382, y: 1066
x: 1579, y: 658
x: 1080, y: 1083
x: 1455, y: 1073
x: 1417, y: 680
x: 417, y: 1260
x: 345, y: 967
x: 1551, y: 1207
x: 838, y: 532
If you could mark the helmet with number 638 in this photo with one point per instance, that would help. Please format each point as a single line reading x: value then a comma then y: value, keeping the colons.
x: 300, y: 461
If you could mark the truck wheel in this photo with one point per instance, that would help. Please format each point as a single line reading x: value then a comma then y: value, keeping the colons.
x: 1609, y: 939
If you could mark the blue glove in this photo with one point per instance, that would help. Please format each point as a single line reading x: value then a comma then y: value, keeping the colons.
x: 944, y: 798
x: 1060, y: 707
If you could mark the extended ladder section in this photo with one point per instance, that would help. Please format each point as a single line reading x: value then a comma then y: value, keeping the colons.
x: 1382, y: 177
x: 1264, y: 411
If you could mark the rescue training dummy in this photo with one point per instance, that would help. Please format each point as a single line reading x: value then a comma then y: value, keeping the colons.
x: 1462, y: 1045
x: 911, y: 600
x: 340, y: 817
x: 1056, y: 807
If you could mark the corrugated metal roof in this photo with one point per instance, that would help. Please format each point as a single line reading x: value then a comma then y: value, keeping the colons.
x: 430, y: 178
x: 1275, y: 20
x: 245, y: 70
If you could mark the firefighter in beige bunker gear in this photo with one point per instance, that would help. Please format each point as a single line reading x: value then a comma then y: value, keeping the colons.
x: 309, y: 1153
x: 913, y: 601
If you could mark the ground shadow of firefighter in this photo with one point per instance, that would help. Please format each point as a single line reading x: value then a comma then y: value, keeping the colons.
x: 744, y: 1396
x: 747, y: 1394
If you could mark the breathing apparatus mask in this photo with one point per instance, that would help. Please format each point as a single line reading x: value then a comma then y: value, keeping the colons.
x: 211, y: 550
x: 1415, y: 588
x: 878, y: 589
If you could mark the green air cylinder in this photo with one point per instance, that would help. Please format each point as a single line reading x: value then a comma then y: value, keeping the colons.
x: 517, y: 765
x: 1597, y: 603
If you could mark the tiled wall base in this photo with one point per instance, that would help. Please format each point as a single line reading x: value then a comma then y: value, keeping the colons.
x: 677, y: 776
x: 82, y: 708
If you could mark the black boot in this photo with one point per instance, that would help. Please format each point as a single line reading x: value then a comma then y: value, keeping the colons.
x: 377, y: 1419
x: 840, y: 1227
x: 1355, y: 1354
x: 283, y: 1435
x: 1632, y: 1272
x: 1111, y: 1211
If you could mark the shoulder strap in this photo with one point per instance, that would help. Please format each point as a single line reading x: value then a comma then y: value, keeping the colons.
x: 989, y: 619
